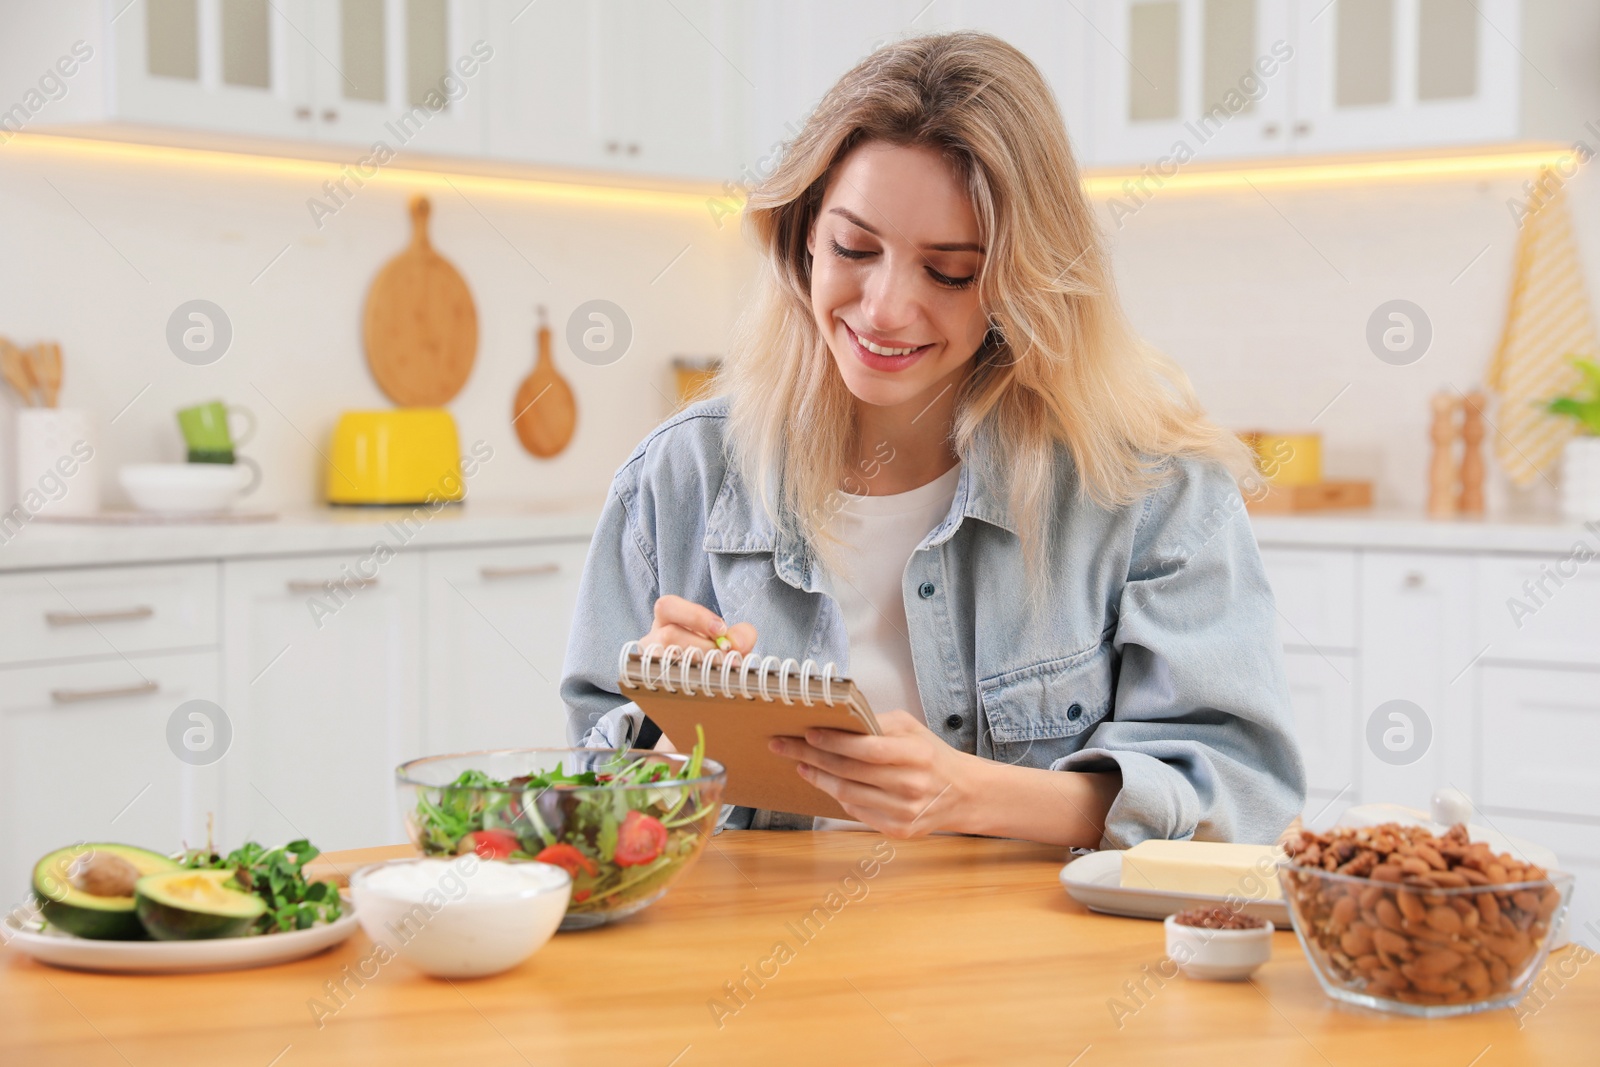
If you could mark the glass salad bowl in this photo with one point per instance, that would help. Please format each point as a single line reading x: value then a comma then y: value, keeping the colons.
x: 624, y: 824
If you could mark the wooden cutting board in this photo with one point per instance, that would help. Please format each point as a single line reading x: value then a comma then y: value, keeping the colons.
x: 1324, y: 496
x: 420, y: 329
x: 544, y: 412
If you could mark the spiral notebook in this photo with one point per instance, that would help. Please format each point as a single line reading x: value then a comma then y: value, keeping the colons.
x: 742, y: 702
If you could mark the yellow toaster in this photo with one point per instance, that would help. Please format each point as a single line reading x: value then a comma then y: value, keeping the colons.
x: 399, y: 456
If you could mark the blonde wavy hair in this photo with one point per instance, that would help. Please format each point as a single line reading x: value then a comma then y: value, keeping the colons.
x: 1060, y: 367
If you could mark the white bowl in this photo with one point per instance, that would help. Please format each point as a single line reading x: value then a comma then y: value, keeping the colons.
x: 1218, y: 954
x: 184, y: 486
x: 460, y: 918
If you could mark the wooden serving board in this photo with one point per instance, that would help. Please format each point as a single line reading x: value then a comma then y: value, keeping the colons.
x: 544, y: 412
x: 1324, y: 496
x: 420, y: 328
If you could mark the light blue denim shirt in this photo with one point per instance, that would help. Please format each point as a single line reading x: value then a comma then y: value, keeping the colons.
x: 1154, y: 653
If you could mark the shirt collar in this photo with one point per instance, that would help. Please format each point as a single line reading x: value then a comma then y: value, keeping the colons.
x: 738, y: 522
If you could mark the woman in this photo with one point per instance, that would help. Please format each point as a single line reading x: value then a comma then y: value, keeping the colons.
x: 944, y: 461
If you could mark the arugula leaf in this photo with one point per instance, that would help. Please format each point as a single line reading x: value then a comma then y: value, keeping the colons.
x: 277, y: 877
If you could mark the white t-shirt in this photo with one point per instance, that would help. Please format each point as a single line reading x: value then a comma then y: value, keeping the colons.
x: 878, y: 535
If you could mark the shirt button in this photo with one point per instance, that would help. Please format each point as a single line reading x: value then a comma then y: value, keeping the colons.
x: 926, y: 590
x: 1075, y: 712
x: 953, y: 722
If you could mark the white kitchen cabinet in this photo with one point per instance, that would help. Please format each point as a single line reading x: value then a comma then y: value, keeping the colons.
x: 497, y: 625
x: 673, y: 88
x: 1378, y: 74
x: 1417, y: 648
x: 106, y: 611
x: 1182, y: 80
x: 637, y: 86
x: 543, y: 107
x: 238, y: 66
x: 1322, y: 695
x: 799, y: 48
x: 1537, y: 734
x: 1540, y: 608
x: 411, y: 74
x: 323, y: 687
x: 1315, y: 592
x: 84, y: 757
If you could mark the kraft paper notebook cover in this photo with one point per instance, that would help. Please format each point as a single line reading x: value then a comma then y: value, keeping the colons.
x: 741, y: 704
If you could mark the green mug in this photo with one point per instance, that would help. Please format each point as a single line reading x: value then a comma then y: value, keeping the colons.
x: 208, y: 435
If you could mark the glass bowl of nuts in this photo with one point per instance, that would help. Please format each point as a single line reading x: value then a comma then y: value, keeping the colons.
x: 1395, y: 918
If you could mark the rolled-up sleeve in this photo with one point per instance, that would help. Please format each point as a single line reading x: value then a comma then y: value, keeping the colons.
x: 616, y: 600
x: 1201, y: 727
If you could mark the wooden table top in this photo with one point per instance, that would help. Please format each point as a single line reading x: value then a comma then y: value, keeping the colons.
x: 958, y: 951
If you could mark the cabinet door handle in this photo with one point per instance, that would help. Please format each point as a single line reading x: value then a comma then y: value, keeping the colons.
x: 1414, y: 580
x: 302, y: 585
x: 78, y: 696
x: 303, y: 114
x: 500, y: 574
x: 1302, y: 128
x: 330, y: 115
x: 76, y: 618
x: 1270, y: 130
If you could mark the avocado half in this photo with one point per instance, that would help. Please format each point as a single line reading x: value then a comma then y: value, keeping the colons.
x: 185, y: 905
x: 69, y: 908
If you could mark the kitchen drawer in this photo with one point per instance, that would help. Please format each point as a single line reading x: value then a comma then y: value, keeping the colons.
x: 84, y: 756
x: 1315, y: 590
x: 1537, y: 735
x: 114, y: 611
x: 1544, y: 608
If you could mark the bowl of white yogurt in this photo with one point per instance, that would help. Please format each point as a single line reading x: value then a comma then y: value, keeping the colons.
x: 460, y: 918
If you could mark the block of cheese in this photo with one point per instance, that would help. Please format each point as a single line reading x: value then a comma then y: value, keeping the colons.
x: 1216, y: 868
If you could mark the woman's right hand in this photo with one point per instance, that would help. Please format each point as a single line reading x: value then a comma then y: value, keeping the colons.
x: 689, y: 625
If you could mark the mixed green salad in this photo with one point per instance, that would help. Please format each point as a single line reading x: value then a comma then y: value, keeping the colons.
x: 619, y: 844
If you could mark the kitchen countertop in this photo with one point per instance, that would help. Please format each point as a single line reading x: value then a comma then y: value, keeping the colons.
x: 1406, y: 529
x: 44, y: 543
x: 958, y: 950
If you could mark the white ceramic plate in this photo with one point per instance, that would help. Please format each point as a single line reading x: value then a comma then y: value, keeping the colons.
x: 1095, y: 881
x: 61, y: 949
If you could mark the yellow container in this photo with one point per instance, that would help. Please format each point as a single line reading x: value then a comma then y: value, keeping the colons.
x: 400, y: 456
x: 1289, y: 458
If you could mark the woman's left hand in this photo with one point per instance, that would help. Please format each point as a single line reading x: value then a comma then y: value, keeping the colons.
x: 903, y: 783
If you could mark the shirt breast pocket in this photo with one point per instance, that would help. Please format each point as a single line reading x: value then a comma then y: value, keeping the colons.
x: 1038, y: 714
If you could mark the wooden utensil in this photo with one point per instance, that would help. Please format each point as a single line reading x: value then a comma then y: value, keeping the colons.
x: 1444, y: 433
x: 421, y: 329
x: 44, y: 360
x: 544, y: 412
x: 1470, y: 502
x: 17, y: 370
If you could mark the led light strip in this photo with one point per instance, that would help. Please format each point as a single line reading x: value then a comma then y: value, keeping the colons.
x: 1525, y: 163
x: 321, y: 170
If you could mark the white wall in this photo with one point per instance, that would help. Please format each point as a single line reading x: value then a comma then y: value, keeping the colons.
x: 1266, y: 306
x: 96, y: 256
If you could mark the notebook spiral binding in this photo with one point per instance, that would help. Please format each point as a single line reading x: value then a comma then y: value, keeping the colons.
x: 730, y: 667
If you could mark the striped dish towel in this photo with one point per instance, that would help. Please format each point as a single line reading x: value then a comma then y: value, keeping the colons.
x: 1547, y: 324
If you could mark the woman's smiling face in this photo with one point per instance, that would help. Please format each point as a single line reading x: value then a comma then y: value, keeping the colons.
x: 895, y: 255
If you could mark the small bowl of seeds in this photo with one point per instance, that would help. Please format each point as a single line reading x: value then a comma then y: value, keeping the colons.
x: 1218, y: 943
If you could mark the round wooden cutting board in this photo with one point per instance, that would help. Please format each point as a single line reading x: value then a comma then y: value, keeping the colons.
x: 420, y: 328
